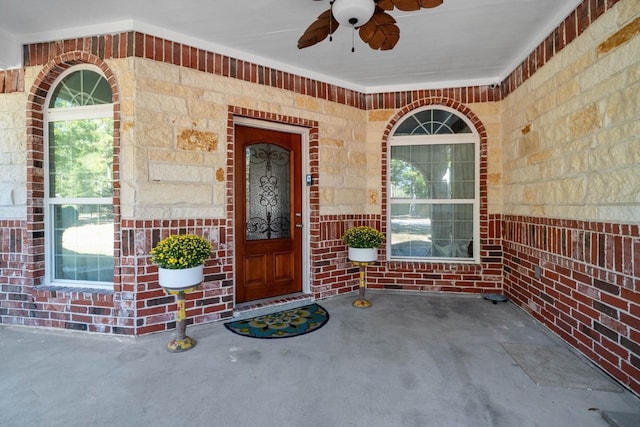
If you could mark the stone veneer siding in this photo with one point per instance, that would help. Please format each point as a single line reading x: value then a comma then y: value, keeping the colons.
x: 577, y: 276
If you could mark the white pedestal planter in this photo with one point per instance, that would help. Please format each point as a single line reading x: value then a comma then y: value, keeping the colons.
x: 179, y: 282
x: 363, y: 254
x: 180, y: 279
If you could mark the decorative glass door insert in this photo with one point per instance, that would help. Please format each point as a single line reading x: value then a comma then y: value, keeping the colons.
x: 267, y: 192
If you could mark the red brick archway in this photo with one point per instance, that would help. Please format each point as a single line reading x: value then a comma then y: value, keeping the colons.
x: 482, y: 133
x: 35, y: 159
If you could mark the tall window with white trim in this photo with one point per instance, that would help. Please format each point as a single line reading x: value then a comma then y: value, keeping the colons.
x: 433, y: 188
x: 79, y: 221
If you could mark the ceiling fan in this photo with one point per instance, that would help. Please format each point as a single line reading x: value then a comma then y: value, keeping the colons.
x: 375, y: 26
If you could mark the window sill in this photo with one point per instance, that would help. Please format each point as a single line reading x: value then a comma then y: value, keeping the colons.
x: 76, y: 289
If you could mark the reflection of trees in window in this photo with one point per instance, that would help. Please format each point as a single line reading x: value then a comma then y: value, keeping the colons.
x: 81, y: 158
x: 407, y: 180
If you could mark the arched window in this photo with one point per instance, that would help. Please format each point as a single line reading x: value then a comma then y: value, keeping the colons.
x: 79, y: 222
x: 433, y: 187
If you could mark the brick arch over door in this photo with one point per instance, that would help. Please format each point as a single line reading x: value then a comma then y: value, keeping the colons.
x: 35, y: 159
x: 482, y: 133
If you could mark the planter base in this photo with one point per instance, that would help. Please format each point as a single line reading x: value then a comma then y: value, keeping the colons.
x: 361, y: 303
x: 181, y: 342
x: 179, y: 345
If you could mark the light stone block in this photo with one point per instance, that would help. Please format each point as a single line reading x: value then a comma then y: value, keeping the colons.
x: 615, y: 187
x: 529, y: 143
x: 12, y: 119
x: 154, y: 70
x: 327, y: 197
x: 380, y: 115
x: 350, y: 196
x: 332, y: 156
x: 356, y: 159
x: 494, y: 179
x: 307, y: 103
x: 201, y: 109
x: 354, y: 180
x: 332, y: 181
x: 173, y: 156
x: 633, y: 74
x: 162, y: 103
x: 585, y: 121
x: 12, y: 141
x: 165, y: 172
x: 328, y: 170
x: 374, y: 181
x: 158, y: 136
x: 219, y: 195
x: 198, y: 212
x: 167, y: 194
x: 331, y: 142
x: 151, y: 212
x: 127, y: 195
x: 197, y: 140
x: 6, y: 195
x: 617, y: 213
x: 14, y: 212
x: 373, y: 160
x: 164, y: 88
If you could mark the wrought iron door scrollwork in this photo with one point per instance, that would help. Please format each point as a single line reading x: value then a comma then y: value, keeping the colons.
x: 267, y: 192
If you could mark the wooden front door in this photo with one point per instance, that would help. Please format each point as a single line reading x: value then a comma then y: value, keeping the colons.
x: 268, y: 213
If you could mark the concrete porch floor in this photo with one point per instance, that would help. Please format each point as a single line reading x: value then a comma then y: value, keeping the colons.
x: 410, y: 360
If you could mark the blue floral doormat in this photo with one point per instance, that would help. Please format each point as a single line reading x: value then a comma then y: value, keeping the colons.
x: 283, y: 324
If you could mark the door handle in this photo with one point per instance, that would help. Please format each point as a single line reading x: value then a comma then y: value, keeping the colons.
x: 299, y: 225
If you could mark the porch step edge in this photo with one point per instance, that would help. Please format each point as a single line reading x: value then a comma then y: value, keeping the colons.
x: 621, y: 419
x: 269, y: 306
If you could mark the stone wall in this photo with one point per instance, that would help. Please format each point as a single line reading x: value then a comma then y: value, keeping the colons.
x: 571, y: 190
x: 175, y: 147
x: 572, y: 131
x: 13, y: 160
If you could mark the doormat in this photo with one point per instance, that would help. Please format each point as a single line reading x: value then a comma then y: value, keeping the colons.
x: 283, y: 324
x: 555, y: 366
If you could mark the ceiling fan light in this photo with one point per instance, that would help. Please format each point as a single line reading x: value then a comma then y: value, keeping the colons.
x: 353, y: 13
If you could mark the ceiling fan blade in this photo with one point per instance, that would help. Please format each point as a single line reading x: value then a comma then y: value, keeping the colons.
x: 385, y: 4
x: 380, y: 32
x: 427, y: 4
x: 324, y: 25
x: 408, y: 5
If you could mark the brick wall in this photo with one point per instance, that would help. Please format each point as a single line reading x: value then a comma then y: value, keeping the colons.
x: 154, y: 310
x: 12, y: 80
x: 334, y: 274
x: 22, y: 303
x: 582, y: 281
x: 13, y: 259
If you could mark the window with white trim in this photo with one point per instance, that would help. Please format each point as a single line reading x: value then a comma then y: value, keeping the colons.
x: 433, y: 188
x: 79, y: 222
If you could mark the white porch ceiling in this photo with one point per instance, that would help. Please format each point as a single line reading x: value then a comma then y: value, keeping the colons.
x: 460, y: 43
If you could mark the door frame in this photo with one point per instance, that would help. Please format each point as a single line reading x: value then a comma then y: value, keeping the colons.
x: 306, y: 217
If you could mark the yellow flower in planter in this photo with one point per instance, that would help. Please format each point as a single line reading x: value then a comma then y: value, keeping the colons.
x: 363, y: 236
x: 180, y: 251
